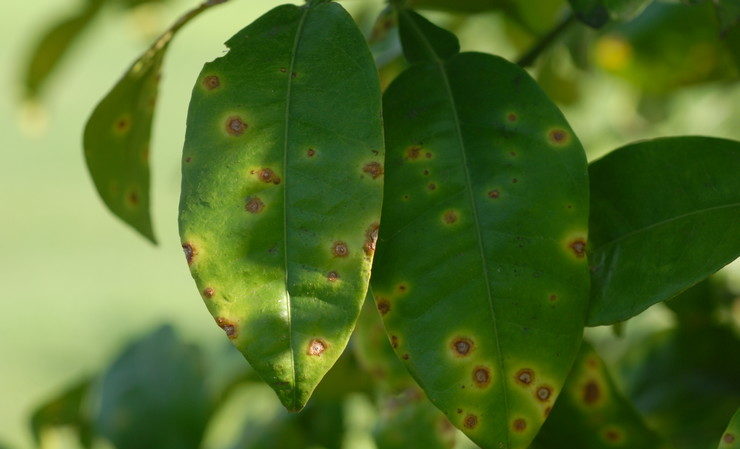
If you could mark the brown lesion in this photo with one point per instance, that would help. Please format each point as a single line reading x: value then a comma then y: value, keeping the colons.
x: 413, y: 152
x: 332, y: 276
x: 339, y: 249
x: 543, y: 393
x: 591, y: 393
x: 235, y: 126
x: 208, y: 292
x: 371, y: 238
x: 211, y: 82
x: 470, y: 421
x: 450, y: 217
x: 578, y: 246
x: 123, y: 124
x: 384, y: 306
x: 268, y: 176
x: 481, y: 376
x: 316, y: 347
x: 519, y: 425
x: 190, y: 252
x: 394, y: 341
x: 253, y: 205
x: 462, y: 346
x: 524, y: 376
x: 231, y: 329
x: 728, y: 438
x: 374, y: 169
x: 558, y: 136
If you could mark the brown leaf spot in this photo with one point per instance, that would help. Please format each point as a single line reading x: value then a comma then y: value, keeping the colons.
x: 383, y: 306
x: 470, y: 421
x: 235, y: 126
x: 190, y: 252
x: 558, y: 136
x: 132, y: 198
x: 405, y: 356
x: 462, y: 346
x: 268, y: 176
x: 339, y: 249
x: 402, y: 287
x: 230, y: 328
x: 524, y: 376
x: 613, y: 435
x: 188, y: 159
x: 371, y: 237
x: 310, y: 152
x: 332, y: 276
x: 123, y: 124
x: 519, y: 425
x: 481, y: 376
x: 426, y: 172
x: 591, y: 392
x: 494, y: 194
x: 543, y: 393
x: 428, y: 155
x: 459, y: 410
x: 413, y: 152
x: 374, y: 169
x: 578, y: 246
x: 449, y: 217
x: 514, y: 180
x: 208, y: 292
x: 553, y: 298
x: 547, y: 411
x: 293, y: 75
x: 211, y: 82
x: 394, y: 341
x: 728, y: 438
x: 253, y: 205
x: 512, y: 117
x: 316, y: 347
x: 432, y: 186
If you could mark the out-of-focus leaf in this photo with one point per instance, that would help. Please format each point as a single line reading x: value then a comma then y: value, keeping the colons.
x: 154, y: 395
x: 68, y: 409
x: 281, y: 192
x: 560, y: 87
x: 685, y: 383
x: 468, y: 6
x: 409, y: 420
x: 54, y: 44
x: 481, y: 273
x: 731, y: 437
x: 697, y: 306
x: 669, y: 46
x: 591, y: 412
x: 117, y: 134
x: 728, y: 14
x: 597, y: 13
x: 665, y: 214
x: 375, y: 354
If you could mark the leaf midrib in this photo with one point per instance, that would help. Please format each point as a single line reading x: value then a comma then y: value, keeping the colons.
x: 439, y: 63
x: 286, y: 135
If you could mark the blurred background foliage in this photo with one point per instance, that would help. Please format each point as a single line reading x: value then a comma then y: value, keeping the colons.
x: 85, y: 359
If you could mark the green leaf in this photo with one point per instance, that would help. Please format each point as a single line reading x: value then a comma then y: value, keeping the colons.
x: 728, y: 14
x: 597, y: 13
x: 54, y: 44
x: 731, y: 438
x: 117, y: 134
x: 408, y: 420
x: 154, y: 395
x: 468, y: 6
x: 591, y: 412
x: 481, y: 269
x: 665, y: 214
x: 685, y: 383
x: 281, y: 193
x: 68, y: 409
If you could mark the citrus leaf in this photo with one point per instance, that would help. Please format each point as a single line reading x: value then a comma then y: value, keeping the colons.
x: 281, y: 192
x: 66, y: 409
x: 117, y: 134
x: 481, y: 272
x: 153, y: 395
x: 665, y: 214
x: 731, y: 438
x: 591, y: 412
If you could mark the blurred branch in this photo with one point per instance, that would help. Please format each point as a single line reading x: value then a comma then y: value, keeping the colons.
x: 546, y: 41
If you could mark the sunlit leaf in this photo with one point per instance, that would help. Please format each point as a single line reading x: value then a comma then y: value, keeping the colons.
x: 665, y: 214
x: 281, y: 193
x: 154, y: 395
x: 481, y: 273
x: 591, y: 412
x: 68, y: 409
x: 117, y: 134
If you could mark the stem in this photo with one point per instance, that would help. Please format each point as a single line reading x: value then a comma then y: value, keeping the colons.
x: 546, y: 41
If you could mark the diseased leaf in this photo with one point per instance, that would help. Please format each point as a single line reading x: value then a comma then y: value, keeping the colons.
x: 731, y: 437
x: 281, y: 193
x: 591, y: 412
x: 68, y: 409
x: 684, y: 383
x: 408, y: 420
x: 117, y: 134
x: 154, y: 395
x: 665, y: 214
x: 481, y: 272
x: 55, y: 44
x: 597, y: 13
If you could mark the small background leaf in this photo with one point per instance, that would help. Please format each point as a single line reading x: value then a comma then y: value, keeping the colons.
x: 665, y: 214
x: 68, y: 409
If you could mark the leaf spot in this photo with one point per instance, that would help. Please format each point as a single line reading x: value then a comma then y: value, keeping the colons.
x: 208, y: 292
x: 728, y: 438
x: 405, y: 356
x: 578, y: 246
x: 383, y: 306
x: 339, y: 249
x: 512, y: 117
x: 211, y: 82
x: 316, y: 347
x: 190, y: 252
x: 519, y: 425
x: 311, y: 152
x: 449, y: 217
x: 481, y: 376
x: 524, y: 376
x: 235, y: 126
x: 394, y: 341
x: 591, y: 392
x: 254, y: 205
x: 558, y: 136
x: 494, y: 194
x: 470, y: 421
x: 374, y: 169
x: 543, y: 393
x: 268, y: 176
x: 462, y: 346
x: 230, y: 328
x: 332, y: 276
x: 371, y: 237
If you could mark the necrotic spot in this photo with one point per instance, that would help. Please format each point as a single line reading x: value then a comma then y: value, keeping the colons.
x: 728, y: 438
x: 254, y: 205
x: 339, y: 249
x: 235, y: 126
x: 311, y: 152
x: 543, y: 393
x: 493, y: 194
x: 481, y: 376
x: 332, y: 276
x: 470, y: 421
x: 208, y: 292
x: 578, y: 246
x: 432, y: 186
x: 371, y: 237
x: 524, y: 376
x: 394, y: 341
x: 268, y: 176
x: 405, y: 356
x: 558, y: 136
x: 383, y: 306
x: 591, y: 392
x: 462, y: 346
x: 211, y: 82
x: 519, y: 425
x: 413, y: 152
x: 374, y: 169
x: 228, y: 327
x: 190, y: 252
x: 449, y: 217
x: 316, y: 347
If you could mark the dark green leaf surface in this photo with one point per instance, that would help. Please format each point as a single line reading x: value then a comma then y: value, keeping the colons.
x: 596, y: 13
x: 154, y: 396
x: 685, y: 383
x: 68, y: 409
x: 591, y: 412
x: 481, y: 273
x: 54, y: 45
x: 117, y: 134
x: 731, y: 437
x: 728, y: 14
x: 665, y: 214
x: 281, y: 193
